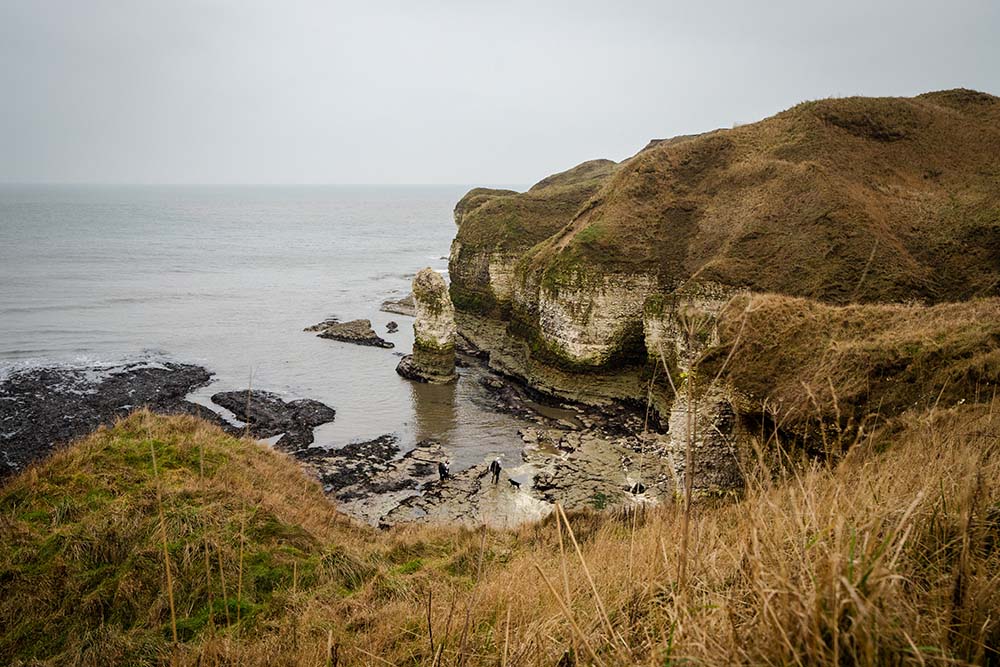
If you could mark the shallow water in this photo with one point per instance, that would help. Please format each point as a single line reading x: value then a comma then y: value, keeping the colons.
x: 227, y: 277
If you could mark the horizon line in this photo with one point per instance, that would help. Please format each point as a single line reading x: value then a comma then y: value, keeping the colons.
x: 246, y: 184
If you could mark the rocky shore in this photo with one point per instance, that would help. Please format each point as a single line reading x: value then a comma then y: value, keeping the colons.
x: 575, y: 455
x: 42, y: 408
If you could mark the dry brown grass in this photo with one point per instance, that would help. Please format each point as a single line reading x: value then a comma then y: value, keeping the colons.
x: 891, y: 557
x: 806, y: 364
x: 841, y: 200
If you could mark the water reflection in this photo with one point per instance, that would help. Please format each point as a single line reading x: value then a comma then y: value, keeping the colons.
x: 435, y: 410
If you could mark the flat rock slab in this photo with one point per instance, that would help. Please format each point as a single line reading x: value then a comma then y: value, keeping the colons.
x: 586, y: 470
x: 468, y: 498
x: 400, y: 480
x: 405, y: 306
x: 267, y: 415
x: 368, y: 479
x: 42, y: 408
x: 352, y: 464
x: 358, y: 332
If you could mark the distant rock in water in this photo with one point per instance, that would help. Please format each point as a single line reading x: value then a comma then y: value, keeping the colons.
x: 268, y: 415
x: 42, y: 408
x: 391, y: 327
x: 359, y: 332
x: 433, y: 358
x: 402, y: 306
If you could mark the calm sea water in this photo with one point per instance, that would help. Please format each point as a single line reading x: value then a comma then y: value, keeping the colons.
x: 227, y: 278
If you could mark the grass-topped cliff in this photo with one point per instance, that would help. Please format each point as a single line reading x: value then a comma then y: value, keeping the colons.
x: 887, y: 557
x: 842, y: 200
x: 502, y: 225
x: 892, y: 203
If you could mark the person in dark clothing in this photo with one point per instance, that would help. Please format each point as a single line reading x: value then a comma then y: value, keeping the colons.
x: 495, y: 470
x: 443, y: 470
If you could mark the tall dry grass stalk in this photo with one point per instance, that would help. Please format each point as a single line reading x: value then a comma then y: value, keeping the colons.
x: 163, y: 536
x: 204, y: 529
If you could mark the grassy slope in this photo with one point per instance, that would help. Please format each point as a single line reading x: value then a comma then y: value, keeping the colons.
x: 842, y: 365
x: 891, y: 556
x: 854, y: 199
x: 508, y: 223
x: 511, y: 221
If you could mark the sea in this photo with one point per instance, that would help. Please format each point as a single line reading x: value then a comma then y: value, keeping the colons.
x: 227, y: 278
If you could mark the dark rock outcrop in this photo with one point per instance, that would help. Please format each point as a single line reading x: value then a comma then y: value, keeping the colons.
x: 359, y: 332
x: 42, y: 408
x: 268, y: 415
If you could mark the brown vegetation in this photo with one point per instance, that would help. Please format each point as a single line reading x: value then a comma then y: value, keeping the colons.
x: 804, y: 363
x: 889, y: 557
x: 898, y: 195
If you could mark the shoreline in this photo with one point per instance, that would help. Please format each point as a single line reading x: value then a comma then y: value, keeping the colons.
x: 573, y: 454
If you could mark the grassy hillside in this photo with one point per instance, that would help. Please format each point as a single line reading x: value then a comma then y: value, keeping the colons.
x: 841, y: 200
x: 890, y: 557
x: 508, y: 223
x: 803, y: 362
x: 856, y: 199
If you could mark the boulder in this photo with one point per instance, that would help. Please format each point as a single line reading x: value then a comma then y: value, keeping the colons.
x: 359, y: 332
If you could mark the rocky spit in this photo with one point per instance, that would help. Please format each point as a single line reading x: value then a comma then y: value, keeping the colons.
x: 267, y: 415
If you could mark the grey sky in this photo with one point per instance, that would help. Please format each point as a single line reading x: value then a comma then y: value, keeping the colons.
x: 425, y: 91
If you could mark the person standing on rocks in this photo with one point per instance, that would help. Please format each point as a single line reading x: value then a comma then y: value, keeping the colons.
x: 433, y: 358
x: 495, y: 470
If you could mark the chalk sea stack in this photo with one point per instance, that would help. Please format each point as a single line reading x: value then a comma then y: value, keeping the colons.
x: 433, y: 358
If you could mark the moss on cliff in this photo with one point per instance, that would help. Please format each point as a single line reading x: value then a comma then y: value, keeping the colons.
x: 475, y: 198
x: 510, y: 222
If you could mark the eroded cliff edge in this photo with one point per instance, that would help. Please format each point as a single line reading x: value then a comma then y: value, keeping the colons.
x: 862, y: 220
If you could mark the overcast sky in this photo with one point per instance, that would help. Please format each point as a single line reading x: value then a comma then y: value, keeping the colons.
x: 424, y: 91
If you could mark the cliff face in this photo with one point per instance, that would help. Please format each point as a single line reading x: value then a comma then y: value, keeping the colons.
x: 497, y: 227
x: 584, y: 281
x: 838, y: 200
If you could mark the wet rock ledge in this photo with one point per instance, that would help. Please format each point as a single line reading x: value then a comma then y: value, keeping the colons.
x: 42, y: 408
x: 267, y: 415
